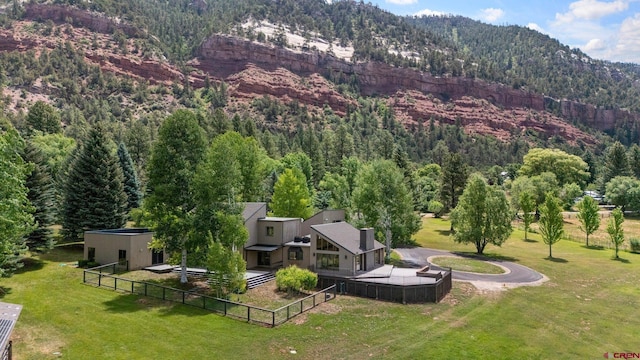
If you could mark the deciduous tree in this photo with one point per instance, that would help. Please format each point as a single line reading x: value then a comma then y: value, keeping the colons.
x: 291, y: 196
x: 528, y: 206
x: 567, y: 168
x: 381, y: 190
x: 615, y: 230
x: 551, y: 222
x: 170, y: 204
x: 483, y: 215
x: 588, y: 216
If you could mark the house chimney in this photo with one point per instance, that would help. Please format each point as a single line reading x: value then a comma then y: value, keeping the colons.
x: 366, y: 239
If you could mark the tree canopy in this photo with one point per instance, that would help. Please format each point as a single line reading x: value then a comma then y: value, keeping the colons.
x: 291, y: 196
x: 567, y: 168
x: 483, y: 215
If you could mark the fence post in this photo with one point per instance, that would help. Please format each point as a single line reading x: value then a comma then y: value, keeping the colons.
x: 163, y: 291
x: 183, y: 297
x: 115, y: 283
x: 301, y: 306
x: 314, y: 300
x: 99, y: 279
x: 84, y: 276
x: 225, y: 308
x: 132, y: 287
x: 248, y: 314
x: 273, y: 319
x: 204, y: 302
x: 287, y: 312
x: 145, y: 289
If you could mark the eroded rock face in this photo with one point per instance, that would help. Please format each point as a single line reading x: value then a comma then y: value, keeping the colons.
x: 254, y: 69
x: 78, y: 17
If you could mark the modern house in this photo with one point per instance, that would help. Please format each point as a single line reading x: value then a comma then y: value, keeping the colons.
x: 339, y: 253
x: 126, y: 246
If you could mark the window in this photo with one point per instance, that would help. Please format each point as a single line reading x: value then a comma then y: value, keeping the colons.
x: 91, y: 254
x: 322, y: 244
x: 122, y: 257
x: 295, y: 253
x: 269, y: 230
x: 378, y: 257
x: 328, y: 261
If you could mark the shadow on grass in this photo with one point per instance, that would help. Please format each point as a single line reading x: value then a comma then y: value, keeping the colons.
x: 530, y: 240
x: 594, y: 247
x: 624, y: 261
x: 444, y: 232
x: 486, y: 256
x: 30, y: 264
x: 130, y: 303
x: 4, y: 291
x: 70, y: 253
x: 556, y: 259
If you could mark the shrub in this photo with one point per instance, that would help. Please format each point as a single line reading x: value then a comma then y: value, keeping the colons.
x: 83, y: 263
x: 92, y: 264
x: 293, y: 279
x: 635, y: 245
x: 436, y: 207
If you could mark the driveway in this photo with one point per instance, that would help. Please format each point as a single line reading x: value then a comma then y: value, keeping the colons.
x: 515, y: 274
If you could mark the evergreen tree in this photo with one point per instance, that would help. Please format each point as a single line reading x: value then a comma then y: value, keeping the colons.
x: 93, y: 193
x: 616, y: 163
x: 44, y: 118
x: 16, y: 220
x: 453, y: 179
x: 131, y: 183
x: 42, y: 196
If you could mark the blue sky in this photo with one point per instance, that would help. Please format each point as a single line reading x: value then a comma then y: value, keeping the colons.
x: 608, y: 30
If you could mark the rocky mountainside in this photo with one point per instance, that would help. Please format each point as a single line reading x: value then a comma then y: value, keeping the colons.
x: 306, y: 75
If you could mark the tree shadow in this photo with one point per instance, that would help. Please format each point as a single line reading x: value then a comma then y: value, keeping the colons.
x: 485, y: 256
x: 444, y: 232
x: 530, y: 240
x: 131, y: 303
x: 556, y: 260
x: 624, y: 261
x: 594, y: 247
x: 4, y: 291
x: 30, y: 264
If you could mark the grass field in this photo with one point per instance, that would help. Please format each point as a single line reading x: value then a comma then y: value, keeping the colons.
x: 465, y: 264
x: 588, y: 307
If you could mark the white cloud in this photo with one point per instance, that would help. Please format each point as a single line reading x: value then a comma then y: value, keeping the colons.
x: 594, y: 45
x: 491, y: 14
x: 591, y: 10
x: 627, y: 46
x: 402, y: 2
x: 428, y: 12
x: 536, y: 27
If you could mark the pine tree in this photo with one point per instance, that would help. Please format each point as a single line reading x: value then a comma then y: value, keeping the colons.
x: 616, y: 164
x: 93, y: 194
x: 131, y: 183
x: 42, y: 196
x: 453, y: 179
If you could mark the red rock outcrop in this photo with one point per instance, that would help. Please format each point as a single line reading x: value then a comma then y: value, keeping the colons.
x: 78, y: 17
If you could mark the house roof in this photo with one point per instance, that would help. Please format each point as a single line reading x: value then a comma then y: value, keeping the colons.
x: 344, y: 235
x: 9, y: 314
x: 124, y: 231
x: 251, y: 208
x: 279, y: 219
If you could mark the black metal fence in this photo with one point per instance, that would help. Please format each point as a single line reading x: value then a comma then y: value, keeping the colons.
x: 404, y: 294
x: 253, y: 314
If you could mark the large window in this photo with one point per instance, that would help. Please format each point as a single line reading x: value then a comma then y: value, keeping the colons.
x: 378, y: 257
x: 295, y: 253
x: 328, y: 261
x: 269, y: 230
x: 122, y: 257
x: 323, y: 244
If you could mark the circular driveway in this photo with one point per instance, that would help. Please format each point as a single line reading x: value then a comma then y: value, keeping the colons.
x: 515, y: 275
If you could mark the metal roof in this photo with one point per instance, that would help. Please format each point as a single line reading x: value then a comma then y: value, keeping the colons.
x: 9, y: 314
x: 262, y: 248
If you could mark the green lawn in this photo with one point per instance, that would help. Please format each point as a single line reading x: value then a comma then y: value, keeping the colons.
x: 588, y: 307
x: 466, y: 264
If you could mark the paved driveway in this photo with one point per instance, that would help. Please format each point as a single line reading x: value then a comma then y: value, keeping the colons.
x: 514, y: 275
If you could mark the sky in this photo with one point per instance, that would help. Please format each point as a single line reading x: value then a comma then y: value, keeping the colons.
x: 606, y: 30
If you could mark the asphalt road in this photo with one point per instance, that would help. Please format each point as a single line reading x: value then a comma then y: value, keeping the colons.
x: 417, y: 257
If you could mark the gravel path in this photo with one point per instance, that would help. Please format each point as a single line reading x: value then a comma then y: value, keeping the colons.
x: 515, y: 274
